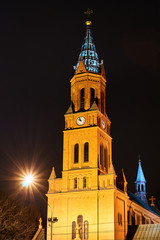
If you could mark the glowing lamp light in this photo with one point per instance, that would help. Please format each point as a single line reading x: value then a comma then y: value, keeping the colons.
x: 28, y: 180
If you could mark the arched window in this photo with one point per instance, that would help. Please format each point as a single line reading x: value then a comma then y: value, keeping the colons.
x: 92, y: 96
x: 76, y: 152
x: 143, y: 220
x: 73, y: 230
x: 86, y: 230
x: 142, y: 188
x: 120, y: 219
x: 82, y: 228
x: 82, y: 98
x: 102, y: 102
x: 86, y: 152
x: 105, y: 159
x: 128, y: 217
x: 133, y: 218
x: 80, y: 224
x: 138, y: 220
x: 75, y: 183
x: 84, y: 182
x: 101, y: 156
x: 138, y: 187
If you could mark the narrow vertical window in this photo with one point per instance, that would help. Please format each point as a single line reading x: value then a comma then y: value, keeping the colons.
x: 118, y: 219
x: 143, y: 220
x: 133, y: 218
x: 86, y: 152
x: 142, y: 188
x: 75, y: 183
x: 84, y: 182
x: 102, y: 102
x: 76, y: 152
x: 92, y: 96
x: 86, y: 230
x: 73, y: 230
x: 101, y: 157
x: 105, y: 159
x: 80, y: 224
x: 128, y: 217
x: 138, y: 220
x: 82, y: 98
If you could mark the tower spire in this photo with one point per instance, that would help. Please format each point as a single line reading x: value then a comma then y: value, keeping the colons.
x: 140, y: 183
x: 88, y: 50
x: 88, y: 13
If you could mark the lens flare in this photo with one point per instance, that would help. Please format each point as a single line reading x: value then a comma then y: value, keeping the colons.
x: 28, y: 180
x: 27, y: 177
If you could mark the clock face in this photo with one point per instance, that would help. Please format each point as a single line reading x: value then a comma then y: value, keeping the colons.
x: 103, y: 124
x: 81, y: 121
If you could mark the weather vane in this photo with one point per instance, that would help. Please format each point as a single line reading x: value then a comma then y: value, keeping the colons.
x: 88, y: 13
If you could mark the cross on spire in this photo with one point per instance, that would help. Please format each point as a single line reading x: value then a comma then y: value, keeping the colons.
x: 88, y: 13
x: 152, y: 199
x: 40, y: 223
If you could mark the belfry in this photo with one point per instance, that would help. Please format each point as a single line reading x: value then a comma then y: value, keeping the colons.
x: 140, y: 184
x: 88, y: 200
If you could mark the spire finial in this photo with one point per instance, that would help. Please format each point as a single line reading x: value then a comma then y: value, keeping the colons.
x: 88, y: 13
x: 88, y: 50
x: 40, y: 223
x: 139, y: 157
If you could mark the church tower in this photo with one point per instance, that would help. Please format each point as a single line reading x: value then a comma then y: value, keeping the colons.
x: 86, y: 200
x: 140, y: 184
x: 87, y: 140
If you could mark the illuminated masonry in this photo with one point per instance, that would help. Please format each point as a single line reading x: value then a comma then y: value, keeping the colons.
x: 87, y: 201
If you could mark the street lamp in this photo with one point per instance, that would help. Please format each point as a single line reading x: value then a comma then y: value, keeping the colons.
x: 52, y: 219
x: 29, y: 180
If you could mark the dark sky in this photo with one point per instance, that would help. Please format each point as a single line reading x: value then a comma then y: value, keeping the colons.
x: 39, y: 45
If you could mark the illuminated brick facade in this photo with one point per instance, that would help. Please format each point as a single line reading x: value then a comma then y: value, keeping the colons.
x: 87, y: 201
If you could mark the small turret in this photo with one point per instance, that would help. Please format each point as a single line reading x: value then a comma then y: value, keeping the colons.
x: 140, y: 184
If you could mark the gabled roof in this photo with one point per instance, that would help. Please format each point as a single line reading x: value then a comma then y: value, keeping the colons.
x: 147, y: 232
x: 140, y: 174
x: 136, y: 199
x: 39, y: 235
x: 93, y: 107
x: 70, y: 110
x: 81, y: 67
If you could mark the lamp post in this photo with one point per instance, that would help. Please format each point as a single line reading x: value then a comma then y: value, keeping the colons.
x: 29, y: 181
x: 52, y: 219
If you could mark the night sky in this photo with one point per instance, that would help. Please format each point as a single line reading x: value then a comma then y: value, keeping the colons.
x: 39, y: 45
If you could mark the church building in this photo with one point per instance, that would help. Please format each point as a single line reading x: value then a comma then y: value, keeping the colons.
x: 89, y: 201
